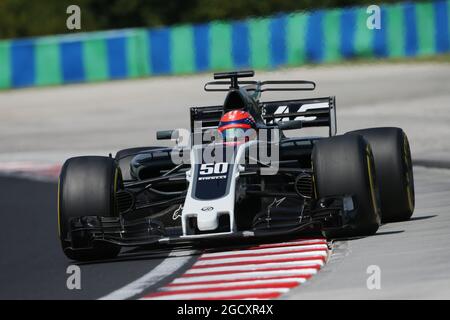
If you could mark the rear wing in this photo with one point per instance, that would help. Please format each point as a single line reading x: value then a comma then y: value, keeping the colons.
x: 317, y: 112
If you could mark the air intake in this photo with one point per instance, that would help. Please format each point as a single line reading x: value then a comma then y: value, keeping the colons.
x: 303, y: 185
x: 125, y: 201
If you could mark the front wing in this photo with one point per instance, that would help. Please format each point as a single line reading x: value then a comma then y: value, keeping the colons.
x: 325, y: 214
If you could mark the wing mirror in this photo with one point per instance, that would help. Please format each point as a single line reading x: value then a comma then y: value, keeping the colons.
x: 167, y: 135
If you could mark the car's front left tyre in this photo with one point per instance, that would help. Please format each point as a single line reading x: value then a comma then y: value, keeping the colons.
x: 394, y: 168
x: 344, y: 166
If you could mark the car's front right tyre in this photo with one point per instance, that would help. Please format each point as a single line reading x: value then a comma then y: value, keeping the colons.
x: 87, y: 187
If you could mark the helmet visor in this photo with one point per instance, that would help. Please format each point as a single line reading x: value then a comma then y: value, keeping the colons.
x: 233, y: 134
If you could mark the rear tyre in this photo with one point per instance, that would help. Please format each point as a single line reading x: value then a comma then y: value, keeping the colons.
x: 393, y: 164
x: 124, y: 157
x: 87, y: 187
x: 343, y: 165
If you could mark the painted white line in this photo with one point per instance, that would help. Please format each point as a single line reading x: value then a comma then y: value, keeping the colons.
x: 291, y: 243
x: 322, y: 253
x: 234, y: 284
x: 246, y: 275
x: 257, y: 266
x: 218, y: 295
x: 174, y: 261
x: 265, y: 250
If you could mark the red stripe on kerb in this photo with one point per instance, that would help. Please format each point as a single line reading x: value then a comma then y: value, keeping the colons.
x: 277, y: 272
x: 282, y: 285
x: 257, y: 254
x: 32, y: 169
x: 54, y: 171
x: 238, y: 280
x: 240, y: 263
x: 216, y: 273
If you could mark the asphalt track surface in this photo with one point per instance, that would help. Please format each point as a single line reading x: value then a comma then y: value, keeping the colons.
x: 33, y: 265
x: 49, y: 124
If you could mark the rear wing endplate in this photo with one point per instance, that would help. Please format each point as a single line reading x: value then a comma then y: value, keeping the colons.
x: 208, y: 117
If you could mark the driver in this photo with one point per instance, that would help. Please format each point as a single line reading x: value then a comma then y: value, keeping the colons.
x: 237, y: 125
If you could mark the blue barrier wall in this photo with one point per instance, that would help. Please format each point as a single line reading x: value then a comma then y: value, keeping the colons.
x: 407, y: 30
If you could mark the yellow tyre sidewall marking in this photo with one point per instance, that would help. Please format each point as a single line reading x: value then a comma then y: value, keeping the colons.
x: 371, y: 181
x: 313, y: 180
x: 58, y: 208
x: 408, y: 187
x: 116, y: 182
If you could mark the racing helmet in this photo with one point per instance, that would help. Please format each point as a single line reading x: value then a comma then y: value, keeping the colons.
x: 235, y: 125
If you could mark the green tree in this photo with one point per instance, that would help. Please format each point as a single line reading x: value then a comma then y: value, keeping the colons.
x: 25, y: 18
